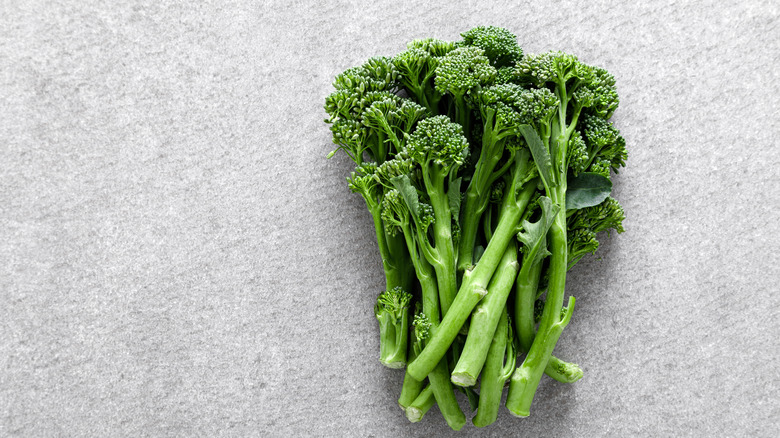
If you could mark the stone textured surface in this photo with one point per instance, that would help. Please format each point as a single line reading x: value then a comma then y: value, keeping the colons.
x: 179, y: 259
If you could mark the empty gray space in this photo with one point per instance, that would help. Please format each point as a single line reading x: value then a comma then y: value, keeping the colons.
x: 178, y: 258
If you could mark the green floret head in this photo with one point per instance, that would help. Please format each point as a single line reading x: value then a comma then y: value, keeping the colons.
x: 435, y: 47
x: 411, y: 62
x: 349, y: 136
x: 377, y: 115
x: 401, y: 164
x: 395, y: 213
x: 581, y: 241
x: 342, y: 104
x: 505, y: 75
x: 392, y: 312
x: 426, y: 216
x: 585, y: 223
x: 497, y: 192
x: 598, y: 94
x: 408, y: 114
x: 507, y: 102
x: 364, y: 182
x: 462, y: 70
x: 600, y: 166
x: 440, y: 141
x: 537, y: 106
x: 422, y: 327
x: 577, y: 153
x: 499, y: 44
x: 416, y: 67
x: 394, y: 302
x: 551, y: 67
x: 608, y: 215
x: 377, y: 74
x: 604, y: 141
x: 422, y: 330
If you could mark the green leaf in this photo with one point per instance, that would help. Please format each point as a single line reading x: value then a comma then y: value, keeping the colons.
x: 586, y: 190
x: 540, y: 153
x: 403, y: 184
x: 453, y: 194
x: 534, y: 235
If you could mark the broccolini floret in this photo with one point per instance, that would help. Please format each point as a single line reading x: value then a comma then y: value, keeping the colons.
x: 392, y: 312
x: 499, y: 44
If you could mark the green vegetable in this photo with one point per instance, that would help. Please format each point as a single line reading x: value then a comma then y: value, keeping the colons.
x: 392, y: 312
x: 487, y: 174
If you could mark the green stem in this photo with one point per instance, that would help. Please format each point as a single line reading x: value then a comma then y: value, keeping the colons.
x: 446, y: 273
x: 462, y: 114
x: 475, y: 197
x: 526, y: 378
x: 485, y: 319
x: 526, y: 289
x: 445, y: 396
x: 401, y: 271
x: 525, y: 295
x: 422, y: 404
x: 438, y: 378
x: 411, y: 387
x: 474, y: 285
x: 492, y: 382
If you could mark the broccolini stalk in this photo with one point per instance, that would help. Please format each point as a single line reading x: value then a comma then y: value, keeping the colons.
x: 411, y: 387
x: 422, y: 404
x: 440, y: 148
x: 412, y: 219
x: 525, y: 296
x: 499, y: 365
x: 502, y: 109
x: 534, y: 239
x: 392, y: 312
x: 485, y: 319
x: 576, y: 86
x: 525, y: 325
x: 395, y: 258
x: 521, y: 186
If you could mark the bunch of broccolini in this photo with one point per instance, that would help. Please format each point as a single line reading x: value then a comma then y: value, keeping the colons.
x: 487, y: 174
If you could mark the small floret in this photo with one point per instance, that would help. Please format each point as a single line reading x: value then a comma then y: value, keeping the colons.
x: 377, y: 74
x: 551, y: 67
x: 463, y: 70
x: 438, y: 141
x: 585, y: 223
x: 604, y: 141
x: 577, y: 154
x: 392, y: 312
x: 422, y: 327
x: 435, y: 47
x: 363, y: 182
x: 499, y: 44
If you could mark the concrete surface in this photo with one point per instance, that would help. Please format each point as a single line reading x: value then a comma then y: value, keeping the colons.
x: 177, y: 258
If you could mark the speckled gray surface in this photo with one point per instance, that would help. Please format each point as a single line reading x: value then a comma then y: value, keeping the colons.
x: 179, y: 259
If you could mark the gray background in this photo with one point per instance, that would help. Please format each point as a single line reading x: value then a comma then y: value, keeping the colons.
x: 177, y: 257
